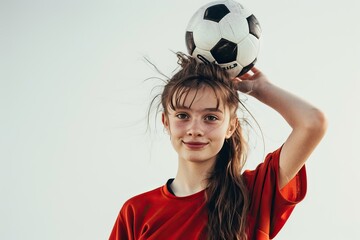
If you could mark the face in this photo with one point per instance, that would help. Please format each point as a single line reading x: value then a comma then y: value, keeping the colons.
x: 198, y: 132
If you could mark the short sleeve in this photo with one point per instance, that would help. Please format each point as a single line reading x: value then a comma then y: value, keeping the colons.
x: 271, y: 207
x: 121, y: 229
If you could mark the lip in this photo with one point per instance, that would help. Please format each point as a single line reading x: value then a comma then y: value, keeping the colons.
x: 195, y: 145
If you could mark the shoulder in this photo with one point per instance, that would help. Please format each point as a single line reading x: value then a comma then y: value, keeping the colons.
x: 271, y: 206
x: 270, y: 164
x: 132, y: 212
x: 144, y: 198
x: 264, y: 179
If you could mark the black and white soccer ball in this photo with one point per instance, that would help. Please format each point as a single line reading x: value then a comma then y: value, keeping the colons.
x: 227, y: 33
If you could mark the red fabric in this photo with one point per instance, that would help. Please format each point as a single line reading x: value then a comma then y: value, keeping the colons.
x: 158, y: 214
x: 270, y: 207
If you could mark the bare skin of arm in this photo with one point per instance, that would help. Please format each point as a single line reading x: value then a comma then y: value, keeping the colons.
x: 307, y: 122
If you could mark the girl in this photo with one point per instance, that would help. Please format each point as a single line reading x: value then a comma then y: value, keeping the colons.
x: 211, y: 197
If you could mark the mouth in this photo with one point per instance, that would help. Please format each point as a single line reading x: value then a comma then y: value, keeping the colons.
x: 195, y: 145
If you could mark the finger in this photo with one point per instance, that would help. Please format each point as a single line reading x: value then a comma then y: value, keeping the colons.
x: 255, y: 70
x: 245, y: 76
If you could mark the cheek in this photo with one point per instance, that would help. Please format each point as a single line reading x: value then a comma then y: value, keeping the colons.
x: 177, y: 128
x: 218, y: 130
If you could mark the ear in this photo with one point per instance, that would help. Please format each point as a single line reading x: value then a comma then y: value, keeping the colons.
x: 165, y: 121
x: 234, y: 123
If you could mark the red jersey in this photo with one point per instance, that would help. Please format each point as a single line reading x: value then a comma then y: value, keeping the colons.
x: 158, y: 214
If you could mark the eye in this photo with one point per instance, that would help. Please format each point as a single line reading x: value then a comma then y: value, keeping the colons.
x: 211, y: 118
x: 182, y: 116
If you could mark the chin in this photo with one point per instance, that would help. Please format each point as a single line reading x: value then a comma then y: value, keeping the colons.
x: 200, y: 159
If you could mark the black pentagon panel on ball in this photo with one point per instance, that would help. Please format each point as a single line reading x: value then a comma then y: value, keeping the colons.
x: 216, y: 12
x: 190, y: 44
x: 247, y: 68
x: 254, y: 26
x: 224, y: 51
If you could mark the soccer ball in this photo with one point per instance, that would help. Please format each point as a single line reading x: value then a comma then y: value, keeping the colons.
x: 224, y: 32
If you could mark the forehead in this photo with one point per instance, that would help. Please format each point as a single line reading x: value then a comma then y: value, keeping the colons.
x: 204, y: 97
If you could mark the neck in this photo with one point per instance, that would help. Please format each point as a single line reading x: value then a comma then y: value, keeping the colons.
x: 191, y: 177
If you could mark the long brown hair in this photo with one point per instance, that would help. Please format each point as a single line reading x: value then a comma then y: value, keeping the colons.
x: 226, y: 193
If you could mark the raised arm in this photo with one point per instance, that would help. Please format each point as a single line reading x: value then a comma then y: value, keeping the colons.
x: 307, y: 122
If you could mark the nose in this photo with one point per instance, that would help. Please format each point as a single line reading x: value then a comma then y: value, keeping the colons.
x: 195, y: 129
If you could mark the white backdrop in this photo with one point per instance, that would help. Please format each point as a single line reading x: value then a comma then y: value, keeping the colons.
x: 73, y: 102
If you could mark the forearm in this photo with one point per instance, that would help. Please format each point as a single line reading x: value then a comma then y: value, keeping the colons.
x: 297, y: 112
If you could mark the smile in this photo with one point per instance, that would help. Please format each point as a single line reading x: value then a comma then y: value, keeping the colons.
x: 195, y: 145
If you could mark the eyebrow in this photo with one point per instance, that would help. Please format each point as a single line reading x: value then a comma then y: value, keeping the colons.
x: 204, y: 110
x: 213, y: 110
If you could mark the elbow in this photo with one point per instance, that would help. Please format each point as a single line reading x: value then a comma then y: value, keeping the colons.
x: 317, y: 123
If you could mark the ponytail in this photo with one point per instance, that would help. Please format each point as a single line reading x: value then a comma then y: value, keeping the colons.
x: 227, y: 195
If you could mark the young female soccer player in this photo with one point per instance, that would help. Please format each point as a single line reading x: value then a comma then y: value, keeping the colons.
x: 211, y: 197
